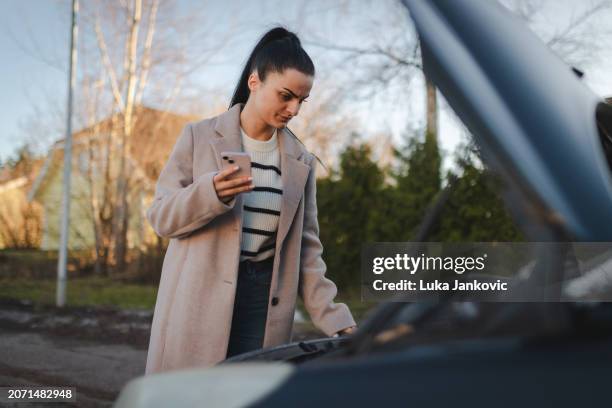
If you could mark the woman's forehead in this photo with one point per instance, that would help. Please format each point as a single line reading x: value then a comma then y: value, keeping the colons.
x: 293, y: 79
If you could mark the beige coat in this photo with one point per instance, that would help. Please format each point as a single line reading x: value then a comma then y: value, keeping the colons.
x: 193, y: 311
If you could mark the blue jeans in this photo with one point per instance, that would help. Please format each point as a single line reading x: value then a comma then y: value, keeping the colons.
x: 250, y: 306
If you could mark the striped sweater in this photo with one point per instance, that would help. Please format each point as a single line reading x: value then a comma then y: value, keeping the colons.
x: 261, y: 209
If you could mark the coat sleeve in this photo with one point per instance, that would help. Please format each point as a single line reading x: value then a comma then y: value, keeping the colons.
x: 317, y: 291
x: 182, y: 204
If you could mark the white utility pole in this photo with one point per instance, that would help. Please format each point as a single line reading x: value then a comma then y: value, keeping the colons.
x: 60, y: 298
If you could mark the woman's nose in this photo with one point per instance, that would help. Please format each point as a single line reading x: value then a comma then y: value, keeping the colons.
x: 294, y: 108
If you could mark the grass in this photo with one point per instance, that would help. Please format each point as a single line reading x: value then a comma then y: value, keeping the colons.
x: 100, y: 291
x: 37, y: 257
x: 91, y: 291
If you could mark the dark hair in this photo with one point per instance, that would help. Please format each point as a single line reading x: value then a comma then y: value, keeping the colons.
x: 276, y: 51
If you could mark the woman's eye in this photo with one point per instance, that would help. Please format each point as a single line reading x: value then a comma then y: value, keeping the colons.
x: 287, y: 98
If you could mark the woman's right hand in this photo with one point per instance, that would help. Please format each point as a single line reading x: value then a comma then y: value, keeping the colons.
x: 227, y: 189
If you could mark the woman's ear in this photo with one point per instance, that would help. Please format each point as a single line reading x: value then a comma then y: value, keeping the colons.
x: 253, y: 82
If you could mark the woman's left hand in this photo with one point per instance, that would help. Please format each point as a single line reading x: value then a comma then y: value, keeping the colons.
x: 348, y: 330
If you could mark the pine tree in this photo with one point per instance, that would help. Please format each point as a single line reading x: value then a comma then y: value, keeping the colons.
x: 347, y: 202
x: 475, y: 211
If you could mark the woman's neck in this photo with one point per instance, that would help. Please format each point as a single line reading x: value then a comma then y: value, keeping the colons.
x: 253, y: 125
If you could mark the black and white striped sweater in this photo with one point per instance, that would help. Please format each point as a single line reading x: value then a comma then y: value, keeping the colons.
x: 261, y: 209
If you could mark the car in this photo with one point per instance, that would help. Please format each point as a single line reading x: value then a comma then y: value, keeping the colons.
x: 549, y: 137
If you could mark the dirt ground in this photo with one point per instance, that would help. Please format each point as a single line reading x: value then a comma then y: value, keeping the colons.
x: 96, y: 350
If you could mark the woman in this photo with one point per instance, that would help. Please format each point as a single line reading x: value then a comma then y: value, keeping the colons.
x: 242, y: 250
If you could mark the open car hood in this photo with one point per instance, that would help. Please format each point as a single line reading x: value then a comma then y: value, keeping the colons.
x: 533, y: 118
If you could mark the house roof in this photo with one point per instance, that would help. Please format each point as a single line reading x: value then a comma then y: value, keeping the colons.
x: 155, y: 133
x: 20, y: 175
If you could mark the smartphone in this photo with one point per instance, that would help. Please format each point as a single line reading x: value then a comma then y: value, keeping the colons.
x: 242, y: 159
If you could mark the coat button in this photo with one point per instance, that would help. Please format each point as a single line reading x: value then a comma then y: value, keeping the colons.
x: 274, y: 301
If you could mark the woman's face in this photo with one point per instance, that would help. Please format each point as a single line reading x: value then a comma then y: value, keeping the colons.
x: 280, y: 96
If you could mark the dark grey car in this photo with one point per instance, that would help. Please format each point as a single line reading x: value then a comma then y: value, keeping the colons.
x: 549, y: 137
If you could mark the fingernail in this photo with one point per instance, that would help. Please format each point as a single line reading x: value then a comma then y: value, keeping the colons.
x: 250, y: 178
x: 235, y: 167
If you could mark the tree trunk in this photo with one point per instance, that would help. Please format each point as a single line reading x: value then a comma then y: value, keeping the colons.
x: 121, y: 222
x: 432, y: 111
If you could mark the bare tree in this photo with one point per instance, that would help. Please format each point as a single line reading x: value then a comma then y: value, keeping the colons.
x: 386, y: 62
x: 577, y: 40
x: 322, y: 127
x: 20, y: 220
x: 381, y: 61
x: 152, y: 53
x: 132, y: 52
x: 20, y: 227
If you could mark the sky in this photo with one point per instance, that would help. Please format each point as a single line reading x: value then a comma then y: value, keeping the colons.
x: 24, y: 76
x: 34, y: 41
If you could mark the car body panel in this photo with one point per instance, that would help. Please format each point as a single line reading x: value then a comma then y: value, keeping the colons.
x: 226, y: 386
x: 483, y: 373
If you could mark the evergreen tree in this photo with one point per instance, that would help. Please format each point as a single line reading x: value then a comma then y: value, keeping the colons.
x: 346, y: 204
x: 418, y: 182
x: 356, y: 207
x: 475, y: 211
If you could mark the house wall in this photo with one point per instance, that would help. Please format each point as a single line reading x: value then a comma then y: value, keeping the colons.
x: 81, y: 231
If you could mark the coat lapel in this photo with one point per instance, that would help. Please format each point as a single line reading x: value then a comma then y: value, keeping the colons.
x: 294, y: 172
x: 228, y: 129
x: 229, y: 140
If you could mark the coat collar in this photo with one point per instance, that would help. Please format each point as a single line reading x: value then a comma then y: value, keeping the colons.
x: 228, y: 127
x: 294, y: 171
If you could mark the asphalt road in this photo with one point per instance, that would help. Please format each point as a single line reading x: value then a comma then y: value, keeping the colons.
x: 97, y: 351
x: 98, y: 371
